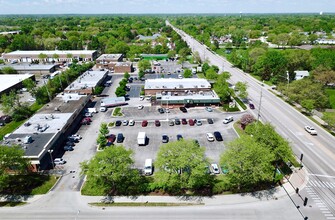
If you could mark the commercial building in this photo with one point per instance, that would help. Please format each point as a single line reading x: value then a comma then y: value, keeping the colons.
x: 87, y: 82
x: 13, y: 81
x: 188, y: 91
x: 37, y: 69
x: 42, y: 136
x: 50, y: 55
x: 114, y: 62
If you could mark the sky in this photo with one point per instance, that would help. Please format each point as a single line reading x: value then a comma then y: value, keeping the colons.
x: 163, y: 6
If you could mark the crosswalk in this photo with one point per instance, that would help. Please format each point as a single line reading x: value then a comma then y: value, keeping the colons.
x: 321, y: 184
x: 328, y: 215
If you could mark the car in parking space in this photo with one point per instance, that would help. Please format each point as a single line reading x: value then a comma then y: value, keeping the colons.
x: 70, y: 143
x: 215, y: 168
x: 311, y: 130
x: 183, y: 121
x: 131, y: 122
x: 228, y: 119
x: 180, y: 76
x: 88, y: 114
x: 111, y: 138
x: 210, y: 137
x: 251, y: 106
x: 31, y: 100
x: 183, y: 109
x: 68, y: 148
x: 198, y: 122
x: 171, y: 123
x: 210, y: 120
x: 191, y: 122
x: 157, y: 123
x: 125, y: 122
x: 127, y: 88
x: 84, y: 121
x: 119, y: 138
x: 88, y: 119
x: 209, y: 109
x: 165, y: 138
x: 144, y: 123
x: 177, y: 121
x: 218, y: 136
x: 179, y: 137
x: 140, y: 107
x: 118, y: 123
x: 167, y: 110
x: 72, y: 139
x: 161, y: 110
x: 141, y: 98
x: 59, y: 161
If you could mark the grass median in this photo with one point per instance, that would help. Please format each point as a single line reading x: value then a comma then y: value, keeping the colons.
x: 151, y: 204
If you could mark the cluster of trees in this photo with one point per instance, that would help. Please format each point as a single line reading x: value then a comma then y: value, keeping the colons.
x: 280, y: 29
x: 8, y: 70
x: 121, y: 89
x: 107, y: 34
x: 182, y: 165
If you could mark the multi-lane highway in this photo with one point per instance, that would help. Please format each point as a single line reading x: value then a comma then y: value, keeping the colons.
x: 318, y: 151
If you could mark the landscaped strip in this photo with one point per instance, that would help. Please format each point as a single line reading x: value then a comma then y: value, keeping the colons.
x: 143, y: 204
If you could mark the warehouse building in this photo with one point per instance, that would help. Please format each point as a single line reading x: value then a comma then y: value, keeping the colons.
x: 32, y: 68
x: 114, y: 62
x: 13, y: 82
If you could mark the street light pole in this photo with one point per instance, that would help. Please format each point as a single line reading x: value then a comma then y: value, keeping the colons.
x: 167, y: 113
x: 288, y: 78
x: 52, y: 162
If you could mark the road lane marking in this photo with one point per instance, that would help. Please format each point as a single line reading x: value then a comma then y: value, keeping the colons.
x: 320, y: 175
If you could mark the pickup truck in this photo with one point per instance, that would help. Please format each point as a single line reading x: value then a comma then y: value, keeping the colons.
x: 311, y: 130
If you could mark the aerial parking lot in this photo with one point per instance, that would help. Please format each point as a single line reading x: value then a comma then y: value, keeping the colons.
x: 154, y: 131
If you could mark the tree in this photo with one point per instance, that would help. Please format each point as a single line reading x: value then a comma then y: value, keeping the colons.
x: 22, y: 112
x: 8, y: 70
x: 246, y: 119
x: 42, y: 57
x: 187, y: 73
x: 30, y: 85
x: 211, y: 74
x: 144, y: 65
x: 221, y: 87
x: 11, y: 160
x: 119, y: 92
x: 248, y: 163
x: 196, y: 57
x: 10, y: 102
x: 104, y: 129
x: 126, y: 75
x: 141, y: 74
x: 111, y: 170
x: 205, y: 67
x: 324, y: 75
x: 241, y: 88
x: 181, y: 165
x: 171, y: 53
x: 266, y: 135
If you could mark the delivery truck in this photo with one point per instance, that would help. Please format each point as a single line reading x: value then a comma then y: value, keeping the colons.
x: 141, y: 138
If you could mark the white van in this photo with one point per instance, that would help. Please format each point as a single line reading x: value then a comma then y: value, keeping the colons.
x: 103, y: 109
x: 148, y: 167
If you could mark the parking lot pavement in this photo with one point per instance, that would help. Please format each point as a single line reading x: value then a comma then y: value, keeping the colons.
x: 154, y: 134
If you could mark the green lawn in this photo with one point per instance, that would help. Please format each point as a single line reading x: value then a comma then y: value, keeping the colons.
x: 11, y: 204
x: 144, y: 204
x: 331, y: 96
x: 10, y: 127
x: 117, y: 112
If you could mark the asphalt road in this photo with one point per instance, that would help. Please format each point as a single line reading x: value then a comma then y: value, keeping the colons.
x: 318, y: 151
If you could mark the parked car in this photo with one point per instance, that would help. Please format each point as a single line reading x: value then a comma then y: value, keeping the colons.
x: 161, y: 110
x: 209, y: 109
x: 125, y: 122
x: 111, y: 138
x: 177, y: 121
x: 140, y: 107
x: 191, y: 122
x: 76, y: 136
x: 198, y: 122
x: 183, y: 121
x: 118, y: 123
x: 167, y: 110
x: 210, y: 121
x: 85, y: 121
x: 141, y: 98
x: 183, y: 109
x: 215, y: 168
x: 228, y: 119
x: 165, y: 138
x: 68, y: 148
x: 70, y: 143
x: 210, y: 137
x: 171, y: 123
x: 218, y: 136
x: 88, y: 114
x: 88, y: 119
x: 131, y: 122
x: 179, y: 137
x: 144, y: 123
x: 251, y: 106
x: 311, y: 130
x: 119, y: 138
x: 157, y: 123
x: 59, y: 161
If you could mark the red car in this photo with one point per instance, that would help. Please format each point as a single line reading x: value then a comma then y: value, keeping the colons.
x: 144, y: 123
x: 157, y: 123
x: 88, y: 119
x: 191, y: 122
x: 85, y: 121
x: 111, y: 138
x: 183, y: 121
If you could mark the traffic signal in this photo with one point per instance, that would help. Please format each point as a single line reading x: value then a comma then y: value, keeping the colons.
x: 305, y: 201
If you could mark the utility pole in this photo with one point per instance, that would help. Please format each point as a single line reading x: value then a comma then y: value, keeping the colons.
x: 260, y: 105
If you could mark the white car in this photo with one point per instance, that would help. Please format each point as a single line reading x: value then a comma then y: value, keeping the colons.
x: 215, y: 168
x: 140, y: 107
x: 75, y: 136
x: 125, y: 122
x: 180, y: 76
x: 131, y: 122
x: 31, y: 100
x: 228, y: 119
x: 209, y: 109
x: 59, y: 161
x: 311, y: 130
x: 210, y: 137
x: 167, y: 110
x: 141, y: 98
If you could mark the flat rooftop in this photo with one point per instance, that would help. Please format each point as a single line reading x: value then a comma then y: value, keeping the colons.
x: 170, y: 83
x: 113, y: 57
x: 89, y: 79
x: 23, y: 67
x: 10, y: 80
x: 51, y: 52
x: 64, y: 103
x: 210, y: 95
